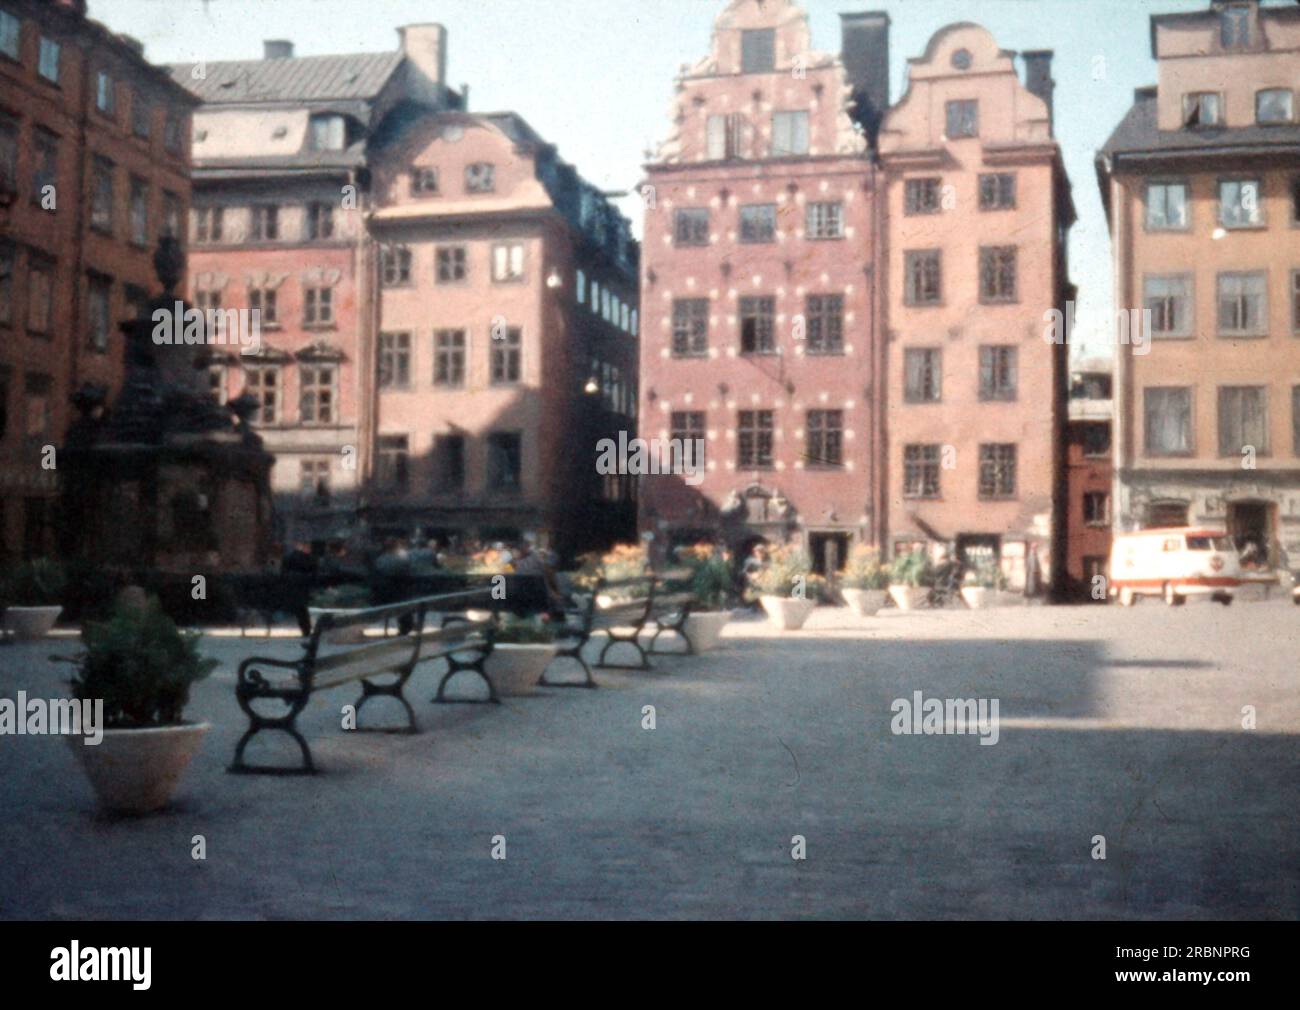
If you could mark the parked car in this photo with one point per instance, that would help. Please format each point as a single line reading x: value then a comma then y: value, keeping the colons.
x: 1174, y: 563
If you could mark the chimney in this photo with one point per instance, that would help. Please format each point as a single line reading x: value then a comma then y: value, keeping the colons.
x: 277, y: 49
x: 865, y: 52
x: 425, y: 46
x: 1038, y: 79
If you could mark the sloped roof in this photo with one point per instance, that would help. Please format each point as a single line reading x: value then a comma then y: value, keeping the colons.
x: 356, y: 76
x: 1138, y: 133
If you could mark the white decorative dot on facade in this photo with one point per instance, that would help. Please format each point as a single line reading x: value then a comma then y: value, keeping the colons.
x: 850, y: 232
x: 798, y: 464
x: 824, y: 186
x: 690, y: 282
x: 757, y: 280
x: 848, y: 348
x: 731, y: 352
x: 848, y: 465
x: 826, y: 278
x: 690, y: 192
x: 823, y: 397
x: 688, y: 398
x: 665, y: 405
x: 731, y: 404
x: 663, y: 353
x: 779, y: 404
x: 754, y: 398
x: 780, y: 464
x: 850, y: 404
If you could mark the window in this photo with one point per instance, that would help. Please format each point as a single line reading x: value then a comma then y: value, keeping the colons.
x: 99, y: 312
x: 327, y: 133
x: 1243, y: 304
x: 920, y: 471
x: 922, y: 375
x: 7, y: 261
x: 45, y: 164
x: 1166, y: 206
x: 505, y: 356
x: 139, y: 211
x: 997, y: 471
x: 10, y: 35
x: 789, y: 133
x: 754, y: 436
x: 171, y: 218
x: 263, y: 383
x: 998, y: 368
x: 1239, y: 203
x: 998, y: 274
x: 1295, y: 420
x: 1168, y: 420
x: 394, y: 364
x: 1295, y: 301
x: 266, y: 223
x: 451, y: 264
x: 395, y: 264
x: 824, y: 438
x: 141, y: 115
x: 101, y: 195
x: 394, y: 462
x: 48, y: 64
x: 1096, y: 441
x: 207, y: 301
x: 40, y: 292
x: 314, y: 480
x: 758, y: 223
x: 824, y: 315
x: 208, y: 222
x: 1295, y: 200
x: 1274, y: 105
x: 690, y: 227
x: 505, y: 460
x: 1202, y: 108
x: 38, y: 390
x: 318, y: 306
x: 449, y: 462
x: 8, y: 155
x: 316, y: 397
x: 172, y: 132
x: 480, y: 178
x: 1234, y: 26
x: 449, y: 358
x: 825, y: 220
x: 757, y: 317
x: 686, y: 428
x: 1169, y: 300
x: 998, y: 191
x: 105, y: 100
x: 1096, y: 508
x: 1243, y: 420
x: 725, y: 136
x: 758, y: 51
x: 963, y: 119
x: 921, y: 196
x: 508, y: 263
x: 4, y: 407
x: 264, y: 301
x: 690, y: 327
x: 320, y: 221
x: 424, y: 181
x: 922, y: 277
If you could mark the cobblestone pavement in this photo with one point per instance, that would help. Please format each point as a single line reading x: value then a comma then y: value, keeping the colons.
x: 1121, y: 723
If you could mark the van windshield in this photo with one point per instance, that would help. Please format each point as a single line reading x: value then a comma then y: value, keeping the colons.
x: 1209, y: 544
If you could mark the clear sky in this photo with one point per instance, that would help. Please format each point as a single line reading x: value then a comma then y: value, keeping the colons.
x: 595, y: 77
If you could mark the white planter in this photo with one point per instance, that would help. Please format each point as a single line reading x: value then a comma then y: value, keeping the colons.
x: 787, y: 613
x: 515, y: 669
x: 704, y: 629
x: 864, y: 602
x: 979, y: 597
x: 352, y: 635
x: 136, y: 771
x: 27, y: 624
x: 908, y: 597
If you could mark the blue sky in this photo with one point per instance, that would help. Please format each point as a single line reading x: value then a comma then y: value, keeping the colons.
x: 595, y: 76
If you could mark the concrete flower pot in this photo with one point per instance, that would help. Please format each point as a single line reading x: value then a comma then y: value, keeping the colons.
x: 908, y: 597
x: 704, y: 628
x: 786, y: 612
x: 864, y: 602
x: 27, y: 624
x: 352, y: 635
x: 515, y: 669
x: 979, y: 597
x: 136, y: 771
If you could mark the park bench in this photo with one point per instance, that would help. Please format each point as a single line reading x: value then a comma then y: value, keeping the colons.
x: 463, y: 644
x: 673, y: 601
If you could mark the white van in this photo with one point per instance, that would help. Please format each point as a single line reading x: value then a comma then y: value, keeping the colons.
x: 1174, y: 563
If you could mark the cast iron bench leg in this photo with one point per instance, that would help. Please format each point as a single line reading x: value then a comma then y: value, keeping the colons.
x: 285, y: 723
x: 613, y: 640
x: 369, y: 690
x: 574, y: 653
x: 455, y: 666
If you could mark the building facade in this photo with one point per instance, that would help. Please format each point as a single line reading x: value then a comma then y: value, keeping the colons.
x: 282, y: 176
x: 760, y: 288
x: 94, y: 170
x: 1201, y: 184
x: 977, y: 208
x: 1089, y: 475
x: 507, y: 342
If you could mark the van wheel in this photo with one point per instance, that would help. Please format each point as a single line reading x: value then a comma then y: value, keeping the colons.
x: 1226, y: 599
x: 1126, y: 598
x: 1174, y: 599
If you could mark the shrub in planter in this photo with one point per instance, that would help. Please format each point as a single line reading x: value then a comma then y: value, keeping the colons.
x: 142, y: 668
x: 623, y: 561
x: 522, y: 649
x: 31, y: 594
x: 911, y: 578
x: 711, y: 585
x: 981, y: 585
x: 865, y: 581
x: 787, y: 588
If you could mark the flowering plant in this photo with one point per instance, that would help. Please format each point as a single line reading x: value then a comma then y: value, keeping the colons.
x: 788, y: 572
x: 710, y: 567
x: 864, y: 569
x: 623, y: 561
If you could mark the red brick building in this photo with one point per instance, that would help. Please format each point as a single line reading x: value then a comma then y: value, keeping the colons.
x: 94, y: 169
x: 760, y: 287
x: 1089, y: 475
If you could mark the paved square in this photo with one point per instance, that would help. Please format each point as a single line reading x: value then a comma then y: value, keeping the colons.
x: 1122, y: 723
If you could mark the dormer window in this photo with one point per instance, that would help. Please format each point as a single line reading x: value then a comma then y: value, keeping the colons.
x: 1202, y: 108
x: 758, y: 51
x: 1274, y: 105
x: 424, y: 181
x: 963, y: 119
x: 789, y: 133
x: 1234, y: 26
x: 327, y: 133
x: 480, y: 177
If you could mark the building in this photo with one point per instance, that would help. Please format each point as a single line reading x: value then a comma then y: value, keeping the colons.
x: 507, y: 339
x: 1201, y: 185
x: 760, y: 290
x: 1089, y: 475
x: 94, y: 169
x: 977, y: 208
x: 282, y: 152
